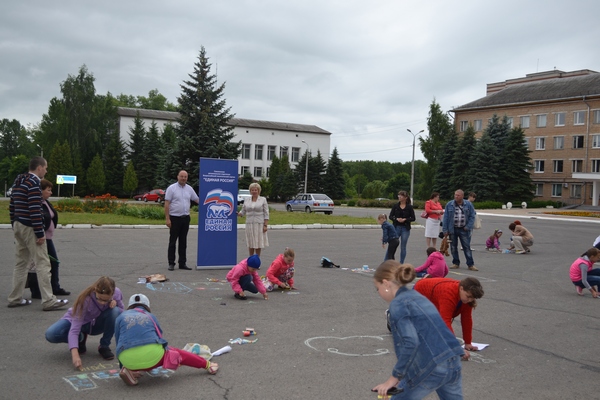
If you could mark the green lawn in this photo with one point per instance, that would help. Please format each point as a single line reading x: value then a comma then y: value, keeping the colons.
x: 276, y: 218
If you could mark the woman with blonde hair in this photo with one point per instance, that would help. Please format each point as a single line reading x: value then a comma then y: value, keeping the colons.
x: 256, y: 210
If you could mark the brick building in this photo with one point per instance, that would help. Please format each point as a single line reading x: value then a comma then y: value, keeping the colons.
x: 560, y: 114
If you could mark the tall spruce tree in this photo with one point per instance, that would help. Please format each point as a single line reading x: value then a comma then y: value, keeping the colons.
x: 60, y: 162
x: 445, y: 167
x: 515, y: 181
x: 166, y: 157
x: 151, y: 157
x: 137, y: 142
x: 463, y: 156
x: 483, y: 171
x: 130, y: 181
x: 95, y: 177
x: 334, y: 178
x: 203, y: 129
x: 114, y: 164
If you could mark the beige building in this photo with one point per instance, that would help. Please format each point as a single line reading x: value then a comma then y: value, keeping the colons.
x: 560, y: 114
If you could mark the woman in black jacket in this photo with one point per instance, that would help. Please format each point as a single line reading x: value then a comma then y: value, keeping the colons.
x: 402, y: 215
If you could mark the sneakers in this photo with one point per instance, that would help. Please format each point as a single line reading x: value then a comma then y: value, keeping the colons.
x: 171, y: 267
x: 60, y: 303
x: 212, y: 367
x: 579, y: 290
x: 82, y: 347
x: 520, y: 252
x: 455, y: 266
x: 473, y: 268
x: 106, y: 353
x: 239, y: 297
x: 127, y: 377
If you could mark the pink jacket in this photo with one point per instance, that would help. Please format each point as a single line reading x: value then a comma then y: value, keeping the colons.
x: 575, y: 271
x: 435, y: 265
x: 234, y: 275
x: 277, y: 268
x: 492, y: 245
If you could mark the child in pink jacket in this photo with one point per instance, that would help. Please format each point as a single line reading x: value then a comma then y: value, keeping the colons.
x: 281, y: 271
x: 244, y: 276
x: 434, y: 267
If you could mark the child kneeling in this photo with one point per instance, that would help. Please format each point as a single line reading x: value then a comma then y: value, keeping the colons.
x: 244, y: 276
x: 434, y: 267
x: 281, y: 271
x: 141, y: 347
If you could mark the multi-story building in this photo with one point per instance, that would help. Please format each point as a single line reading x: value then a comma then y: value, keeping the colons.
x: 560, y: 114
x: 261, y: 140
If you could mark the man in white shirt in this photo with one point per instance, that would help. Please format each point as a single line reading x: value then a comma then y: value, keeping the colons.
x: 177, y: 214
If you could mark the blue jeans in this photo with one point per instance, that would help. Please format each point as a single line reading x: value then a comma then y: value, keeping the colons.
x: 403, y: 234
x: 247, y: 284
x: 445, y: 380
x: 593, y: 278
x: 105, y: 324
x: 465, y: 242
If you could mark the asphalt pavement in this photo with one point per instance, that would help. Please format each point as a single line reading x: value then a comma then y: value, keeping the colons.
x: 326, y: 340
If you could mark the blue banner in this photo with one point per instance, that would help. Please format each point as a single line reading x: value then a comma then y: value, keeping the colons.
x: 217, y: 213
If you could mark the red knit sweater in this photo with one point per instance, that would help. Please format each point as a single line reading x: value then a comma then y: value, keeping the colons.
x: 443, y: 293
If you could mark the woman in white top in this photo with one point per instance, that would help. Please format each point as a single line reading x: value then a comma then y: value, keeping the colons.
x: 256, y: 211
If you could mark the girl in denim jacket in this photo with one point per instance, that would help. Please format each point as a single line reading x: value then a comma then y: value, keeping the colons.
x: 428, y: 354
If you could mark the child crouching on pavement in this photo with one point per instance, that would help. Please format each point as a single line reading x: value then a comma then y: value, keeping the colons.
x: 434, y: 267
x: 244, y: 276
x: 493, y: 242
x: 141, y: 347
x: 281, y: 271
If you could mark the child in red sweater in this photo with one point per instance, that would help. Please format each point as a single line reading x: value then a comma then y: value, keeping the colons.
x: 281, y: 271
x: 434, y: 267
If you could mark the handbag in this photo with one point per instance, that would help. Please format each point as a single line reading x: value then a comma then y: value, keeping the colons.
x: 424, y: 214
x: 477, y: 224
x: 172, y: 358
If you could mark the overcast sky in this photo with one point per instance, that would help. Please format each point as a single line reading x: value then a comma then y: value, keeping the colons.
x: 364, y: 70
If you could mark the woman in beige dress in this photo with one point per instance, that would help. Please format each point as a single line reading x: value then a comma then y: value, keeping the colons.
x: 256, y: 211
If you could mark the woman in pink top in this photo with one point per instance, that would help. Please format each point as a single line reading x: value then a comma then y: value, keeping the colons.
x: 583, y: 276
x: 434, y: 211
x: 434, y: 267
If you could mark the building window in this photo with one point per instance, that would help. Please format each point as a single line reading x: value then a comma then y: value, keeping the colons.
x: 597, y: 116
x: 541, y: 121
x: 557, y: 166
x: 577, y: 165
x: 295, y: 154
x: 283, y: 152
x: 509, y: 120
x: 246, y: 151
x: 258, y: 152
x: 576, y: 191
x: 579, y: 118
x: 464, y: 125
x: 559, y: 119
x: 596, y: 166
x: 525, y: 122
x: 244, y: 170
x: 258, y: 172
x: 559, y: 142
x: 596, y: 141
x: 539, y: 166
x: 271, y: 152
x: 540, y: 143
x: 478, y: 125
x: 578, y: 142
x: 556, y: 189
x: 539, y: 189
x: 268, y: 171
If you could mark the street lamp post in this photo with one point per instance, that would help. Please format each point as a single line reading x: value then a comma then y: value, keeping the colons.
x: 412, y: 171
x: 306, y: 169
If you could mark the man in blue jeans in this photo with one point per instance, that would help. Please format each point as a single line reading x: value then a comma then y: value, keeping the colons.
x: 458, y: 221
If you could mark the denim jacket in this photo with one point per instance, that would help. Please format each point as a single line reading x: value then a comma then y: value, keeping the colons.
x: 448, y: 221
x: 134, y: 328
x: 389, y: 232
x: 422, y: 340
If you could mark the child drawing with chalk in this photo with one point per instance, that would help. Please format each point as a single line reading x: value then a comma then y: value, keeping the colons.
x: 390, y: 237
x: 244, y: 277
x: 281, y: 271
x: 583, y: 275
x: 493, y: 242
x: 434, y: 267
x: 93, y: 313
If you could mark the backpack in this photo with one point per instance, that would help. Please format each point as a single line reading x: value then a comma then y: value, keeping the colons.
x: 327, y: 263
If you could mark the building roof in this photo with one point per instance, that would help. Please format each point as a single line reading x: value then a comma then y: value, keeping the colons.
x: 236, y: 122
x: 532, y: 90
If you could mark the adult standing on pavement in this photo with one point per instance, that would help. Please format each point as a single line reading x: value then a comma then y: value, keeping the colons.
x: 458, y: 221
x: 401, y: 215
x: 177, y: 214
x: 28, y: 228
x: 256, y: 211
x: 434, y: 211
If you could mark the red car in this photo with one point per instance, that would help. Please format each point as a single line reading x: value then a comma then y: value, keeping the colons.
x: 156, y: 195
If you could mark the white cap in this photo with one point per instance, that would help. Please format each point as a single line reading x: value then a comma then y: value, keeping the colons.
x: 139, y: 299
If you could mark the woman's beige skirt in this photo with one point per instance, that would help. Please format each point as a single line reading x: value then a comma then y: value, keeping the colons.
x: 255, y: 237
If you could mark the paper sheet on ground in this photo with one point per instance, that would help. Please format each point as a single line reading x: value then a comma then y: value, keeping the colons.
x: 480, y: 346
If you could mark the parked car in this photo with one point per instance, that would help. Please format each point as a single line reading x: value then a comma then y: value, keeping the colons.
x: 243, y: 194
x: 311, y: 202
x: 156, y: 195
x: 138, y: 197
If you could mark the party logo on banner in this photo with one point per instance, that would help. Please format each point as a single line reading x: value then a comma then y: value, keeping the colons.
x: 220, y: 207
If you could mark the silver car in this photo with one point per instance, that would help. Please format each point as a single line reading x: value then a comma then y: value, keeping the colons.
x: 243, y: 194
x: 311, y: 202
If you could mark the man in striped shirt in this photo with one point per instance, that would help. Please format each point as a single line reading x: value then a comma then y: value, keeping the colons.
x: 28, y: 228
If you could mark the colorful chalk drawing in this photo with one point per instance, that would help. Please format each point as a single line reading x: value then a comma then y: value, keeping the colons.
x: 351, y: 343
x: 86, y: 381
x: 478, y: 358
x: 171, y: 287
